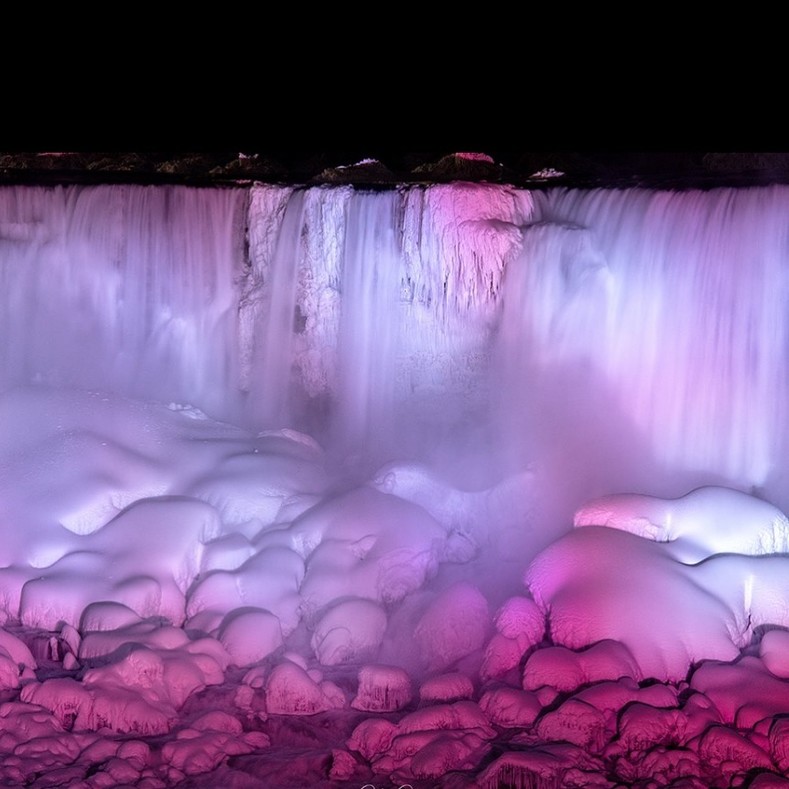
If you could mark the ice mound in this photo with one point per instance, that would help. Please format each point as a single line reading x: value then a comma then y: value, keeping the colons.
x: 427, y: 743
x: 453, y: 626
x: 238, y: 521
x: 141, y: 676
x: 466, y: 513
x: 564, y: 670
x: 601, y: 583
x: 16, y: 661
x: 631, y: 579
x: 249, y: 635
x: 349, y: 631
x: 253, y: 487
x: 774, y: 652
x: 269, y: 580
x: 290, y: 690
x: 510, y: 708
x: 705, y: 522
x: 521, y: 626
x: 365, y: 544
x: 553, y: 764
x: 446, y: 688
x: 382, y: 689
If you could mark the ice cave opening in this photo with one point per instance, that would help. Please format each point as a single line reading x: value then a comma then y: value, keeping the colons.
x: 434, y: 486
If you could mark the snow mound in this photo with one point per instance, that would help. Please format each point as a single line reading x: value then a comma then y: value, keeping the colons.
x: 774, y: 652
x: 446, y: 688
x: 461, y: 512
x: 565, y: 670
x: 269, y: 580
x: 454, y: 625
x: 249, y: 635
x: 520, y: 617
x: 744, y: 693
x: 575, y: 722
x: 382, y: 689
x: 510, y: 707
x: 706, y: 521
x: 502, y: 655
x: 426, y: 743
x: 365, y: 544
x: 107, y: 616
x: 551, y: 765
x: 351, y: 630
x: 372, y: 737
x: 291, y: 691
x: 601, y: 583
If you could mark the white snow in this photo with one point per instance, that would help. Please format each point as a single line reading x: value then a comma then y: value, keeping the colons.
x: 705, y: 522
x: 600, y: 583
x: 291, y: 691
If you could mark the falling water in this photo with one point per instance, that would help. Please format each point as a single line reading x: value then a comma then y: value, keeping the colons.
x: 131, y: 289
x: 675, y: 306
x: 595, y: 325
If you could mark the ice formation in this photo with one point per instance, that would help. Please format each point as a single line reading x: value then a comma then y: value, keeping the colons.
x: 705, y: 522
x: 288, y: 475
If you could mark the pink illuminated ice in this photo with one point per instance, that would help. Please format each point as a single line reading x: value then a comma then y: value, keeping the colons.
x: 453, y: 626
x: 382, y: 689
x: 703, y: 523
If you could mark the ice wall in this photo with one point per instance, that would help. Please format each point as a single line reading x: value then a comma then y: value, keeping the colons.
x: 603, y: 330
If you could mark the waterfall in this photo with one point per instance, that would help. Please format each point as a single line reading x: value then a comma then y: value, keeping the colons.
x: 674, y: 305
x: 607, y: 322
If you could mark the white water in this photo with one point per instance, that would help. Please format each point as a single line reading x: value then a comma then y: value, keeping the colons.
x: 603, y: 330
x: 674, y: 307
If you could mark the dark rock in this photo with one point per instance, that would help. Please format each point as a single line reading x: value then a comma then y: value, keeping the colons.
x: 460, y: 167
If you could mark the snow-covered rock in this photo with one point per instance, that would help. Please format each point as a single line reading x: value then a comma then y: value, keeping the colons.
x: 382, y: 689
x: 291, y: 691
x: 249, y: 635
x: 350, y: 630
x: 454, y: 625
x: 704, y: 522
x: 446, y: 688
x: 601, y: 583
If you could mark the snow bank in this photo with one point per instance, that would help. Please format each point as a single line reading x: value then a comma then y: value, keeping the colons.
x: 365, y: 544
x: 565, y: 670
x: 705, y: 522
x: 249, y: 635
